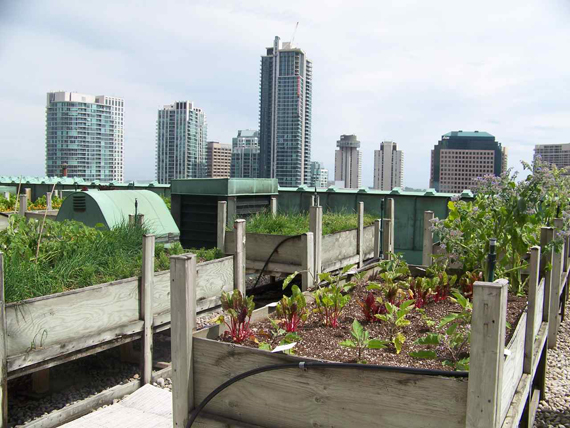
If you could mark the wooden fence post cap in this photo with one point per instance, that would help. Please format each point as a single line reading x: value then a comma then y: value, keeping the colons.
x: 497, y: 284
x: 222, y: 202
x: 240, y: 220
x: 187, y: 256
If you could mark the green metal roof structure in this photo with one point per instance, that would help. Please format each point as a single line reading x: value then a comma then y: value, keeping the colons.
x: 474, y: 134
x: 224, y: 186
x: 70, y: 181
x: 113, y: 207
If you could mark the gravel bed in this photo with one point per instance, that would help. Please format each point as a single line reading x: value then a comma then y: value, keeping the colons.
x: 554, y: 412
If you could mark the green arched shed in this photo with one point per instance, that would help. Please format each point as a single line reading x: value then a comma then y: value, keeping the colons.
x: 113, y: 207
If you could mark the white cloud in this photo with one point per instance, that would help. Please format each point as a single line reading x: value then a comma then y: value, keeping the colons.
x: 407, y: 71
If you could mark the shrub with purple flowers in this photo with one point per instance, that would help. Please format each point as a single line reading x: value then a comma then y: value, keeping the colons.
x: 510, y: 210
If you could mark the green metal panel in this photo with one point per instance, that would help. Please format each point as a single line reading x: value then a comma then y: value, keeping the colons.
x: 408, y: 206
x: 225, y: 186
x: 113, y: 207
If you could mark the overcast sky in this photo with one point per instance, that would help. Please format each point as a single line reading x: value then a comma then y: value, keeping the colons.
x: 407, y: 71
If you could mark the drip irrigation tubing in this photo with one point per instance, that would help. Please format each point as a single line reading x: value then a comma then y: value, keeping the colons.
x: 269, y: 258
x: 305, y: 365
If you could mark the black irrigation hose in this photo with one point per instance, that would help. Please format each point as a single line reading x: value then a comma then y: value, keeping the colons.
x: 305, y: 365
x: 271, y: 255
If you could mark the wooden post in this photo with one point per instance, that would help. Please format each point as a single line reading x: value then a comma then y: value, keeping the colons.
x: 146, y: 292
x: 386, y: 238
x: 6, y: 195
x: 239, y: 256
x: 360, y: 235
x: 308, y: 261
x: 183, y: 322
x: 532, y: 306
x: 3, y: 355
x: 273, y: 206
x: 427, y: 250
x: 556, y: 274
x: 139, y: 218
x: 546, y: 235
x: 316, y: 227
x: 23, y: 205
x: 48, y: 201
x: 222, y: 221
x: 376, y: 238
x: 487, y: 354
x: 28, y: 193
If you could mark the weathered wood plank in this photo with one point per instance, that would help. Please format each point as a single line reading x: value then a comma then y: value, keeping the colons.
x: 278, y: 268
x: 318, y: 397
x: 207, y: 420
x: 339, y: 246
x: 76, y: 410
x: 369, y: 242
x: 222, y: 222
x: 487, y: 355
x: 308, y: 271
x: 513, y: 366
x: 377, y: 238
x: 518, y: 402
x: 340, y: 263
x: 556, y: 272
x: 47, y: 354
x: 360, y: 234
x: 259, y: 246
x: 146, y: 313
x: 240, y: 252
x: 538, y: 313
x: 316, y: 226
x: 65, y: 317
x: 533, y: 306
x: 183, y: 309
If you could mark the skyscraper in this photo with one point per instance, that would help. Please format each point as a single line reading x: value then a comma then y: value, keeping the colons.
x: 181, y: 134
x: 319, y: 175
x: 245, y: 154
x: 218, y: 160
x: 285, y: 114
x: 557, y: 154
x: 348, y: 162
x: 388, y: 166
x: 86, y: 133
x: 460, y: 156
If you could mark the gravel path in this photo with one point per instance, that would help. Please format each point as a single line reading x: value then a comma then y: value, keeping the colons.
x: 555, y: 410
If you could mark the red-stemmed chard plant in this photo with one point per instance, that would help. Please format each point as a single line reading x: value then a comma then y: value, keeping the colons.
x: 237, y: 315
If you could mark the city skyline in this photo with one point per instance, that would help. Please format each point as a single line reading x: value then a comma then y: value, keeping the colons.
x: 487, y: 82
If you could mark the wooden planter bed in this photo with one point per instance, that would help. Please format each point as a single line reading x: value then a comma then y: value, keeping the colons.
x: 50, y: 330
x: 502, y: 388
x: 310, y: 254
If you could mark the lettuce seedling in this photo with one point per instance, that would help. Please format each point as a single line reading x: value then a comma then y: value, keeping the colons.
x: 362, y: 341
x: 237, y: 315
x: 293, y: 309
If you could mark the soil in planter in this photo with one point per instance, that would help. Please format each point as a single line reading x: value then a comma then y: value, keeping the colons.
x: 320, y: 342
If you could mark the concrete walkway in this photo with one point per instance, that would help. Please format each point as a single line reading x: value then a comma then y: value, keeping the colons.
x: 147, y: 407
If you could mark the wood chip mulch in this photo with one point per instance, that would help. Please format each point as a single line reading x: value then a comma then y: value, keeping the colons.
x: 320, y: 342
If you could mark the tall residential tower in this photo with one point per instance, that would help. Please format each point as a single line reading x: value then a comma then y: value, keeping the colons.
x: 285, y: 114
x: 181, y: 134
x: 85, y: 132
x: 348, y: 162
x: 388, y: 166
x: 245, y: 154
x: 557, y: 154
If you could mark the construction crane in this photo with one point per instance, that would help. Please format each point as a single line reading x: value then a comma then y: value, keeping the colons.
x: 294, y: 32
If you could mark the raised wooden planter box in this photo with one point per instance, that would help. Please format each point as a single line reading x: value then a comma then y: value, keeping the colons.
x: 321, y: 253
x: 502, y: 388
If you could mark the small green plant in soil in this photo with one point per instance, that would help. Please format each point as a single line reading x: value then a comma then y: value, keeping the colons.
x: 237, y: 315
x: 454, y: 339
x: 293, y: 309
x: 362, y: 341
x: 395, y: 317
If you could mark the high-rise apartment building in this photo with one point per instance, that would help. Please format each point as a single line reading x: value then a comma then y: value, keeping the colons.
x: 285, y: 114
x: 319, y: 175
x: 245, y: 154
x: 85, y: 132
x: 557, y: 154
x: 388, y: 166
x: 348, y: 162
x: 181, y: 134
x: 218, y: 160
x: 459, y: 157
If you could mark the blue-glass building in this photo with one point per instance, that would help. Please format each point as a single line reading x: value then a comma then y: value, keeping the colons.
x: 285, y: 115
